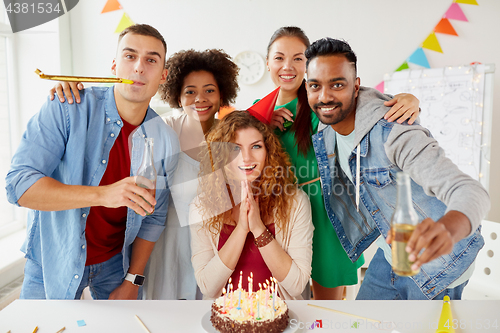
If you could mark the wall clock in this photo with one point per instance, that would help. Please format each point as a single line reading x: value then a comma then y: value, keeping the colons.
x: 252, y: 66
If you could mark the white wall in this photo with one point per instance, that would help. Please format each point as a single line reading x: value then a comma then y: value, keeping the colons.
x: 383, y: 34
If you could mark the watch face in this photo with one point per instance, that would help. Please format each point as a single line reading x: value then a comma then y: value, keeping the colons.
x: 139, y: 280
x: 252, y: 66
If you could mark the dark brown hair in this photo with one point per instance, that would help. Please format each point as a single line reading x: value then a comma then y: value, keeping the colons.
x: 217, y: 62
x: 302, y: 125
x: 143, y: 30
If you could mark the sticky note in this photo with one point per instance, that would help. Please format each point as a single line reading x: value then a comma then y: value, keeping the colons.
x: 81, y: 323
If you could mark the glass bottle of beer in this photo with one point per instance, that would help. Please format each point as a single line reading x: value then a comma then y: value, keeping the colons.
x: 404, y: 221
x: 146, y: 175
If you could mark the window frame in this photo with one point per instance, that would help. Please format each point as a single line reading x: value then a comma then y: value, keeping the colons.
x: 19, y: 214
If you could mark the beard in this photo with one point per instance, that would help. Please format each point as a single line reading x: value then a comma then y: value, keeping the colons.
x: 340, y: 114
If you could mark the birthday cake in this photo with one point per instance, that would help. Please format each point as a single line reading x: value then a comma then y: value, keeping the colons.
x: 256, y: 312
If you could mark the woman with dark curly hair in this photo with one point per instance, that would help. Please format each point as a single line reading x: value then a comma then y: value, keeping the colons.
x: 249, y: 215
x: 199, y: 82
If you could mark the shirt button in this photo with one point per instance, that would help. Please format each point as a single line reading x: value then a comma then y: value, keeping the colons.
x: 109, y: 119
x: 103, y: 161
x: 118, y: 122
x: 83, y: 247
x: 112, y: 135
x: 76, y: 276
x: 84, y: 215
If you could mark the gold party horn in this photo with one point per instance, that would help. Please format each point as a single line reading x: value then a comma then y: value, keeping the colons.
x: 82, y: 78
x: 445, y: 324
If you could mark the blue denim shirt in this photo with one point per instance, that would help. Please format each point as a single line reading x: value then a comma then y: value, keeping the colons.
x: 357, y: 230
x: 71, y: 143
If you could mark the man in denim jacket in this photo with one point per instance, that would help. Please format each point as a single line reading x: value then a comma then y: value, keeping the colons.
x: 75, y: 169
x: 358, y: 157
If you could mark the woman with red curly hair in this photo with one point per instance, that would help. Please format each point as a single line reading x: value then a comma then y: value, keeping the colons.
x: 249, y: 216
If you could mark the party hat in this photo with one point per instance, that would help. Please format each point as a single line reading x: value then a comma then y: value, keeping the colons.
x: 263, y: 109
x: 445, y: 324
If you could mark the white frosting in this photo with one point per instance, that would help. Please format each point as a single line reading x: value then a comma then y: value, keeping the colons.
x: 248, y: 309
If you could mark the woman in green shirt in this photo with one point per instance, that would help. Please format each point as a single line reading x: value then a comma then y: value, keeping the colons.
x: 286, y: 62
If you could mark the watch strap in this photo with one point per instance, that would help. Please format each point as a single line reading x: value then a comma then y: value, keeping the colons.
x: 136, y: 279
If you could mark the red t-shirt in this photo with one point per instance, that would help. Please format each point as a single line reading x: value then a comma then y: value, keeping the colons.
x: 105, y: 230
x: 250, y: 260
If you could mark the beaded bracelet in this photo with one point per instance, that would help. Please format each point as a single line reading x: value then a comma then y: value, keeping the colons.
x: 265, y: 238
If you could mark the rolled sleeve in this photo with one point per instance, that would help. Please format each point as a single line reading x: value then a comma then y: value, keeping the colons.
x: 40, y: 151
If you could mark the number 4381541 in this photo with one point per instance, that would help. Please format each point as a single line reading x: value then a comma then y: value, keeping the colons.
x: 25, y: 8
x: 479, y: 324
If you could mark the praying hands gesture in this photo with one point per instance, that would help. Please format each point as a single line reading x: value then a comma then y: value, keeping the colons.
x: 249, y: 211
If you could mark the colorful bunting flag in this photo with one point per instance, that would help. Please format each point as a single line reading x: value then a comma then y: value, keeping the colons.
x: 432, y: 43
x: 444, y: 27
x: 467, y: 2
x: 111, y: 5
x: 125, y: 22
x: 403, y: 66
x: 418, y: 57
x: 455, y: 13
x: 380, y: 87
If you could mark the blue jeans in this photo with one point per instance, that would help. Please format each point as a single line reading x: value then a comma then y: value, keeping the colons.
x: 381, y: 283
x: 101, y: 279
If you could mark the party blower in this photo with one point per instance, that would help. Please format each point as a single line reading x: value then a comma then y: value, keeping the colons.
x: 263, y: 109
x: 445, y: 324
x: 82, y: 78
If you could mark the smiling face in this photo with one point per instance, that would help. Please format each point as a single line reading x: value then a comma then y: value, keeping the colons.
x: 200, y: 96
x: 140, y: 59
x: 249, y: 155
x: 332, y: 89
x: 287, y: 63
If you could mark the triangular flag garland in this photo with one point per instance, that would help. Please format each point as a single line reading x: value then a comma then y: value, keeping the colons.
x: 455, y: 13
x: 125, y: 22
x: 432, y: 43
x: 444, y: 27
x: 403, y: 66
x: 418, y: 57
x: 111, y: 5
x: 380, y: 87
x: 467, y: 2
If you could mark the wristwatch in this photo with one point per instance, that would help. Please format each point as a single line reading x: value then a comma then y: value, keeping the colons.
x: 136, y: 279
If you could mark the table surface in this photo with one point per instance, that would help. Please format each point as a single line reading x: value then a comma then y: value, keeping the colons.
x: 186, y: 316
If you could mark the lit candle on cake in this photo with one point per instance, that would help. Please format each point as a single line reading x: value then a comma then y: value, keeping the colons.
x: 274, y: 293
x: 231, y: 296
x: 258, y: 306
x: 228, y: 283
x: 224, y: 293
x: 266, y: 296
x: 249, y: 287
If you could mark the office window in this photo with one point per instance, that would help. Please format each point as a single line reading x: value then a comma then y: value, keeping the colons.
x: 7, y: 217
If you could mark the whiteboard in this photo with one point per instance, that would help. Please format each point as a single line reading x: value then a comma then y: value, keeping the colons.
x: 456, y: 105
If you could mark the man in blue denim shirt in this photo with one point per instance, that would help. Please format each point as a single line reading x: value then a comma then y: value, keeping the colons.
x: 57, y: 171
x: 359, y: 154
